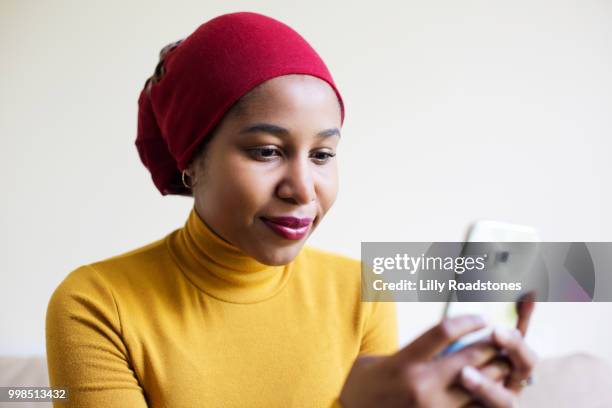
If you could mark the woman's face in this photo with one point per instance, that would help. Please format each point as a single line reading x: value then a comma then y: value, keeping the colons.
x: 272, y: 157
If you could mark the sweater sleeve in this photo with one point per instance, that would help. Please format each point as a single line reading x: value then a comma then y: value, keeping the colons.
x: 380, y: 335
x: 85, y: 350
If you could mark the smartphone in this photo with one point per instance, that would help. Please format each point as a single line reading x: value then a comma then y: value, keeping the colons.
x: 503, y: 260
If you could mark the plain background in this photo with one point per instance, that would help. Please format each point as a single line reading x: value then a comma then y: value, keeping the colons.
x: 456, y: 111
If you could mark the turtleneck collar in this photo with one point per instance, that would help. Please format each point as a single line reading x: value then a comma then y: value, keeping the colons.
x: 221, y: 269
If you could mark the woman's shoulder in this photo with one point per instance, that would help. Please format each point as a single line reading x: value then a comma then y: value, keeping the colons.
x: 124, y: 270
x: 144, y: 255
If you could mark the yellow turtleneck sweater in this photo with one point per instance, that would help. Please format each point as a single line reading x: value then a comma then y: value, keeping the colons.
x: 191, y: 321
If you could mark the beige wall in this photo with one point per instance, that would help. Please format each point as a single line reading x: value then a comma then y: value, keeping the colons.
x: 456, y: 110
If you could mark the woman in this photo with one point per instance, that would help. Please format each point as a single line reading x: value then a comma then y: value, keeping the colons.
x: 232, y: 309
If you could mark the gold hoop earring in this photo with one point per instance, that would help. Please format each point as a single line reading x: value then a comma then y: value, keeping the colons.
x: 184, y: 182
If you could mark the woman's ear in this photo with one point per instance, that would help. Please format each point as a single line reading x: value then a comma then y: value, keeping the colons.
x: 193, y: 172
x: 190, y: 175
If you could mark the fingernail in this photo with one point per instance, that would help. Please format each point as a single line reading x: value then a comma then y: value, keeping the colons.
x: 471, y: 377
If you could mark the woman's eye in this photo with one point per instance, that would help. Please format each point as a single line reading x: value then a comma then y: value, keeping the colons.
x: 323, y: 157
x: 270, y: 153
x: 264, y: 153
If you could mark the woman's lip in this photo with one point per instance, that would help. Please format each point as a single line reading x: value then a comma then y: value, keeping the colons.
x: 285, y: 231
x: 291, y: 222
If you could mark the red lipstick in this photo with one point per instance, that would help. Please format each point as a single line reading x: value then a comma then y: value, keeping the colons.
x: 288, y: 227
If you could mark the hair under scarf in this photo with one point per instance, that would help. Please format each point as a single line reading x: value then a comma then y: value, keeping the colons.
x: 198, y: 79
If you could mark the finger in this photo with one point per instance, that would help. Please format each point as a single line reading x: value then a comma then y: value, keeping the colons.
x: 458, y: 396
x: 496, y: 370
x: 523, y: 359
x: 486, y: 390
x: 475, y: 355
x: 438, y: 338
x: 524, y: 309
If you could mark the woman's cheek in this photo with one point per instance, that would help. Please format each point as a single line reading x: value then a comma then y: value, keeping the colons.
x: 248, y: 191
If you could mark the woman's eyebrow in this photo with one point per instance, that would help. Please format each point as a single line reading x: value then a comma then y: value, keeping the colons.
x: 329, y: 132
x: 281, y: 131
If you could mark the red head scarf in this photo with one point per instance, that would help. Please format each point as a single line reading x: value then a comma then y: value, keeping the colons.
x: 198, y: 79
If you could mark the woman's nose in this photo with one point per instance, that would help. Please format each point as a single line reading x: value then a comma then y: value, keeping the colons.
x: 298, y: 183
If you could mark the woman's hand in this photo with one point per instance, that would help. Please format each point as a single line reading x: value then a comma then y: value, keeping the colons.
x: 416, y: 377
x: 492, y: 393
